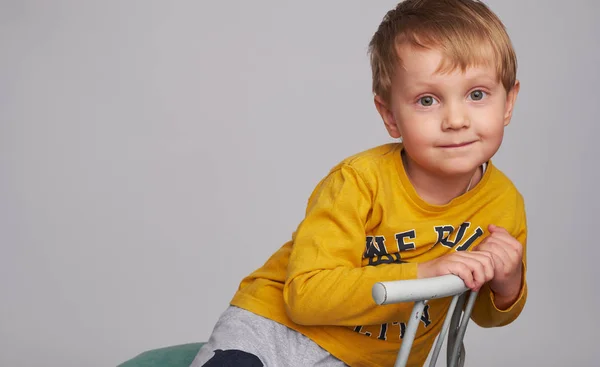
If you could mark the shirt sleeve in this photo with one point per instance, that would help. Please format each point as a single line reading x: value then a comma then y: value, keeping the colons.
x: 485, y: 312
x: 326, y: 283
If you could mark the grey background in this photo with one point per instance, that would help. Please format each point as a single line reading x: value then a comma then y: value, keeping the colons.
x: 153, y: 153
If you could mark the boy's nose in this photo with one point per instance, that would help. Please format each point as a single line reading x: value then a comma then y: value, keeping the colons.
x: 455, y: 117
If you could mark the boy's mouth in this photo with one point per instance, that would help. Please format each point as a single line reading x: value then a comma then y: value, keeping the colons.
x: 457, y: 145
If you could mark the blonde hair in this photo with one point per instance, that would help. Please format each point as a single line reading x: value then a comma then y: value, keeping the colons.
x: 465, y: 31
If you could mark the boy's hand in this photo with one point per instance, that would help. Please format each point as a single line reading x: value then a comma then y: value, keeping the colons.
x: 507, y: 254
x: 474, y: 268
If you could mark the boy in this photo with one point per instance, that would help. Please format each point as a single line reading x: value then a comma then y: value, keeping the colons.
x: 444, y: 79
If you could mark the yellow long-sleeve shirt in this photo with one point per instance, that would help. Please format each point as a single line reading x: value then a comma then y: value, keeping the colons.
x: 365, y: 223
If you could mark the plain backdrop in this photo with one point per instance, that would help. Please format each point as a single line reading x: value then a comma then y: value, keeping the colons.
x: 153, y: 153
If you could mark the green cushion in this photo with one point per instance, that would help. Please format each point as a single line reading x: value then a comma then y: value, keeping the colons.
x: 174, y: 356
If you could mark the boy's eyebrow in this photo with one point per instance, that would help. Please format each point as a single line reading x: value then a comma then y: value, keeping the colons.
x: 474, y: 78
x: 484, y: 77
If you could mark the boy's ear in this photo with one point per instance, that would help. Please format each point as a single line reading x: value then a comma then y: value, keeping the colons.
x: 388, y: 117
x: 511, y: 98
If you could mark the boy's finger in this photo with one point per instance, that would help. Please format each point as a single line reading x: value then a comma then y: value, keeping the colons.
x: 498, y: 262
x: 495, y: 228
x: 512, y: 247
x: 498, y: 231
x: 478, y: 274
x: 507, y: 260
x: 482, y: 246
x: 466, y: 266
x: 487, y: 259
x: 481, y: 265
x: 502, y: 234
x: 510, y: 240
x: 471, y: 258
x: 507, y: 240
x: 463, y: 272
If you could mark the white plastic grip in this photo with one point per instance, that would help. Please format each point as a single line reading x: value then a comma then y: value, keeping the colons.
x: 385, y: 293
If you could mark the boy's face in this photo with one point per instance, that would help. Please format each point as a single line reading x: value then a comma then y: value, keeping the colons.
x: 450, y: 123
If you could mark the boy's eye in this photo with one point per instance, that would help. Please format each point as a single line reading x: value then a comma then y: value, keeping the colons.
x: 477, y: 95
x: 427, y: 101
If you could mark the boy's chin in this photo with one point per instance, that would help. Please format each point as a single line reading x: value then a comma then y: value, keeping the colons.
x: 457, y: 170
x: 456, y: 167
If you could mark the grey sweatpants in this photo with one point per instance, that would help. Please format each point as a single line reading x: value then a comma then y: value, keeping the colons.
x: 244, y: 339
